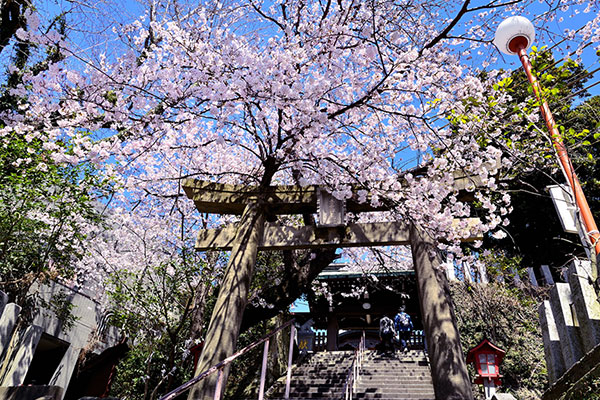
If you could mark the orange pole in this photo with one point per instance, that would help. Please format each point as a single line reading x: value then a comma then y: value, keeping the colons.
x: 561, y: 151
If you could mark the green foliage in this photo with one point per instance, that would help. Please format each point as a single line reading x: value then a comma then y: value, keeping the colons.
x: 244, y: 378
x: 152, y: 307
x: 145, y: 374
x: 535, y: 233
x: 508, y: 318
x: 45, y: 206
x: 44, y: 209
x: 586, y: 389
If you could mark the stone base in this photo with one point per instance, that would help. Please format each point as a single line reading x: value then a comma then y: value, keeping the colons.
x: 503, y: 396
x: 585, y: 302
x: 34, y: 392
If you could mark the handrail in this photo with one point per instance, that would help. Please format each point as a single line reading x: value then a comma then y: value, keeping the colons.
x: 347, y: 391
x: 354, y: 370
x: 219, y: 367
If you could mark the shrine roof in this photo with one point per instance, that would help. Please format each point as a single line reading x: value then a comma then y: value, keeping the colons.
x: 338, y: 271
x: 354, y: 274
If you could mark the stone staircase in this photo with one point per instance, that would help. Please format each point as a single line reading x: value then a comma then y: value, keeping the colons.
x: 391, y: 376
x: 395, y: 376
x: 321, y: 376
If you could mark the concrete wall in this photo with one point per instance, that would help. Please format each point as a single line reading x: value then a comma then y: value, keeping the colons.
x: 17, y: 346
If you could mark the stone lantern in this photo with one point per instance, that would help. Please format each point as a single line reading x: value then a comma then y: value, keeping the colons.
x: 487, y: 358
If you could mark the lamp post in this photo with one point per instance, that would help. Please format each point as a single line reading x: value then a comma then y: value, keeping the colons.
x: 486, y: 358
x: 513, y: 36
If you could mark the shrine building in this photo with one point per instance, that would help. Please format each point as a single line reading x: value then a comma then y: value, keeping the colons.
x: 357, y: 303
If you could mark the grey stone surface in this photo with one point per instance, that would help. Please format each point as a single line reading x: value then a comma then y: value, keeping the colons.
x: 89, y: 329
x: 21, y: 356
x: 586, y: 303
x: 450, y: 272
x: 568, y: 331
x: 7, y: 324
x: 483, y: 276
x: 552, y: 347
x: 547, y: 275
x: 332, y: 212
x: 63, y: 373
x: 532, y: 278
x: 468, y: 273
x: 3, y: 301
x: 516, y: 277
x: 35, y: 392
x: 503, y: 396
x: 88, y: 319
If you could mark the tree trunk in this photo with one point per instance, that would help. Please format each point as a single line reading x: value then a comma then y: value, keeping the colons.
x: 223, y: 330
x: 11, y: 12
x: 448, y: 367
x: 203, y: 293
x: 297, y: 279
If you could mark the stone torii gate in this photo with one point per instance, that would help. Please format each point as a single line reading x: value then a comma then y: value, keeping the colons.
x: 258, y: 205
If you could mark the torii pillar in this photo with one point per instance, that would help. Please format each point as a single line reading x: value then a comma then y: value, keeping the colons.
x: 224, y: 327
x: 252, y: 233
x: 448, y: 368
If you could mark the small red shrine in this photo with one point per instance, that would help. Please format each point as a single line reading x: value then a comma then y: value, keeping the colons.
x: 487, y: 358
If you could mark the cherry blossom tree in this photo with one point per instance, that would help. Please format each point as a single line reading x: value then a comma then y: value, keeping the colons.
x: 350, y: 95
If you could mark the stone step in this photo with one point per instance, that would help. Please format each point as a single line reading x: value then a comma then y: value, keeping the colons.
x: 329, y: 370
x: 421, y: 380
x: 389, y: 375
x: 365, y: 370
x: 394, y: 396
x: 399, y: 384
x: 365, y: 380
x: 404, y: 380
x: 312, y: 396
x: 399, y: 360
x: 397, y: 389
x: 379, y: 380
x: 407, y: 361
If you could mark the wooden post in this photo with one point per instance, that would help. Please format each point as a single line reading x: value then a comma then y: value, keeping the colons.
x: 332, y: 332
x: 224, y: 327
x: 448, y: 367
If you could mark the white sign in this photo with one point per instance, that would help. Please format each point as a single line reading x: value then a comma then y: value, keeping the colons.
x: 563, y: 200
x: 565, y: 207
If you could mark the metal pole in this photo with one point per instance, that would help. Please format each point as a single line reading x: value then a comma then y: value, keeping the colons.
x: 355, y: 373
x: 289, y: 368
x: 561, y: 152
x: 263, y: 371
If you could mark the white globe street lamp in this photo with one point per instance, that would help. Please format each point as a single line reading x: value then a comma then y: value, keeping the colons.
x: 513, y: 36
x: 514, y: 33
